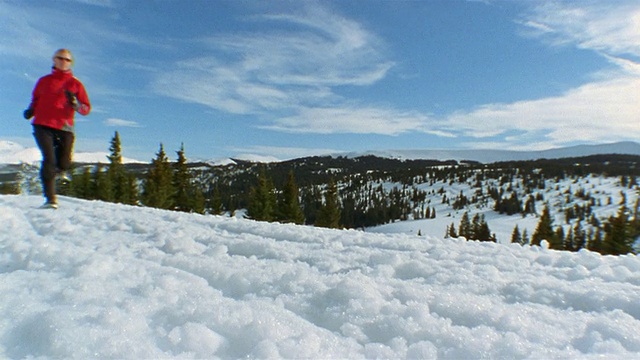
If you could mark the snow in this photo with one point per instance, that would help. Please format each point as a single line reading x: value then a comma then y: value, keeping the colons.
x: 487, y: 156
x: 100, y: 280
x: 14, y: 153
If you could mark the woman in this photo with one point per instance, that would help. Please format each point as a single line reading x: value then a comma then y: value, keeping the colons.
x: 56, y: 97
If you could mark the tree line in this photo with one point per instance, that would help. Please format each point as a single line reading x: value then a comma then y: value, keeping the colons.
x: 165, y: 185
x: 367, y: 191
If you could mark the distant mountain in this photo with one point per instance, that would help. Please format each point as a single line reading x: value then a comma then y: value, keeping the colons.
x: 490, y: 156
x: 12, y: 153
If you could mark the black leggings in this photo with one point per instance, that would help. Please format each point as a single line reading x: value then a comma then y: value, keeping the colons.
x: 56, y: 147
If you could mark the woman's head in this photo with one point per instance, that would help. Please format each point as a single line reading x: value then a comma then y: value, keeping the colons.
x: 63, y: 59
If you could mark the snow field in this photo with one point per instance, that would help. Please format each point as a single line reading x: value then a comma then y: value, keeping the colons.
x: 99, y: 280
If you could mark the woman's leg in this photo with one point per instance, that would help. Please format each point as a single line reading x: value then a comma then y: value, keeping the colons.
x: 64, y: 150
x: 45, y: 141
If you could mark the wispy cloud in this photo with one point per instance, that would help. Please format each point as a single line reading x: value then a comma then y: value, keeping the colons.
x: 357, y: 120
x: 280, y: 71
x: 604, y: 110
x: 596, y: 112
x: 612, y: 27
x: 100, y: 3
x: 121, y: 123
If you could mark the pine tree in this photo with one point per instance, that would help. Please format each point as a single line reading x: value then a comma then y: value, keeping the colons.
x: 451, y: 231
x: 465, y: 229
x: 569, y: 240
x: 118, y: 177
x: 579, y: 237
x: 525, y: 237
x: 103, y: 185
x: 596, y: 244
x: 289, y: 206
x: 158, y: 187
x: 262, y: 199
x: 329, y: 213
x: 312, y: 202
x: 182, y: 183
x: 516, y: 237
x: 618, y: 240
x: 82, y: 184
x: 480, y: 229
x: 216, y: 201
x: 130, y: 195
x: 187, y: 195
x: 544, y: 230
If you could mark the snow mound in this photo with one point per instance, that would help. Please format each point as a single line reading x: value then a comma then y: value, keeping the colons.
x: 99, y: 280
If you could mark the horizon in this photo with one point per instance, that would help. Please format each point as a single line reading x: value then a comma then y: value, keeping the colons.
x: 282, y: 80
x: 14, y: 153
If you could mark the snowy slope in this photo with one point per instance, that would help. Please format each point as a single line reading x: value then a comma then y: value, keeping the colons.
x: 99, y: 280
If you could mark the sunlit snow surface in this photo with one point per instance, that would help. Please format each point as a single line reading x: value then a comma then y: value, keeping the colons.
x: 98, y: 280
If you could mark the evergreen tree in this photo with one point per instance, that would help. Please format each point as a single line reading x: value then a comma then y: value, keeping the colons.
x: 82, y: 184
x: 329, y: 213
x: 516, y: 237
x: 103, y: 185
x: 182, y: 186
x: 116, y: 172
x: 158, y: 188
x: 544, y: 230
x: 451, y: 231
x: 289, y: 206
x: 312, y: 202
x: 216, y: 201
x: 130, y: 194
x: 596, y: 244
x: 579, y: 237
x: 262, y: 199
x: 465, y: 229
x: 480, y: 229
x: 569, y: 240
x: 525, y: 237
x: 618, y: 239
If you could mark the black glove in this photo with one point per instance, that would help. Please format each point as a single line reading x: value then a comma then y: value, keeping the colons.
x: 72, y: 99
x: 28, y: 114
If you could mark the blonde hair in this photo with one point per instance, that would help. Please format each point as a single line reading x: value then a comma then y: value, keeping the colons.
x: 64, y: 51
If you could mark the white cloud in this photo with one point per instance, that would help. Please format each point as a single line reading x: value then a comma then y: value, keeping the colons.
x: 596, y: 112
x: 601, y: 111
x: 280, y: 70
x: 611, y: 27
x: 121, y: 123
x: 358, y: 120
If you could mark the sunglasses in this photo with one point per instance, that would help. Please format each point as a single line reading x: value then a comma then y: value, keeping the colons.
x: 63, y: 58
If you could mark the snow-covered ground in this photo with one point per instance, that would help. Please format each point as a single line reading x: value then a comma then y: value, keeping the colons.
x: 100, y: 280
x: 606, y: 191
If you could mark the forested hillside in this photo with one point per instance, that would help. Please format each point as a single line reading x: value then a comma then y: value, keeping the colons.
x: 571, y: 198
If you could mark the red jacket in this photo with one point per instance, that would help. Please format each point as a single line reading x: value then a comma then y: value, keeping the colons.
x: 50, y: 105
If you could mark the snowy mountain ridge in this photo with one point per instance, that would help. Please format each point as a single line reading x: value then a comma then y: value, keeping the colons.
x: 490, y: 156
x: 13, y: 153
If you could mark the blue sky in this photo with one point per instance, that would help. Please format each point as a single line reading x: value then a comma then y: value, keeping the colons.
x: 276, y: 80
